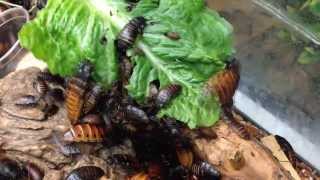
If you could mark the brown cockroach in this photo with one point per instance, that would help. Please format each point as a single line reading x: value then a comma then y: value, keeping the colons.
x: 74, y: 98
x: 129, y: 34
x: 168, y: 93
x: 139, y: 176
x: 91, y: 98
x: 86, y: 173
x: 34, y: 172
x: 205, y: 170
x: 85, y: 133
x: 135, y: 113
x: 185, y: 157
x: 225, y: 83
x: 173, y: 35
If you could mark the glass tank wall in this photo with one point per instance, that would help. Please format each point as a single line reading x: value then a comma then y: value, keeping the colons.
x: 280, y: 75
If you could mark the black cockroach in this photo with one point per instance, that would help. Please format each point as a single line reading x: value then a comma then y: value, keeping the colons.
x: 91, y: 98
x: 85, y: 173
x: 135, y: 113
x: 129, y: 34
x: 27, y: 101
x: 10, y: 169
x: 84, y: 71
x: 205, y: 171
x: 287, y: 149
x: 126, y: 69
x: 34, y: 172
x: 124, y: 160
x: 179, y: 173
x: 173, y: 35
x: 168, y: 93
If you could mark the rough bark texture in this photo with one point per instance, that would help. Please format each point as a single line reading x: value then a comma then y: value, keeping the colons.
x: 26, y: 136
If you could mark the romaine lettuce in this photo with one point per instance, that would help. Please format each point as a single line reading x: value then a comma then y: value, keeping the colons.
x: 67, y: 32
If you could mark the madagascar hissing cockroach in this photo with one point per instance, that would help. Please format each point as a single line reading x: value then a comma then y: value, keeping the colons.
x: 129, y: 34
x: 124, y: 161
x: 85, y: 133
x: 10, y: 169
x: 225, y: 83
x: 34, y: 172
x: 74, y: 98
x: 168, y: 93
x: 84, y: 70
x: 205, y: 170
x: 27, y: 101
x: 139, y: 176
x: 173, y: 35
x: 91, y: 98
x: 85, y: 173
x: 126, y: 69
x: 135, y: 113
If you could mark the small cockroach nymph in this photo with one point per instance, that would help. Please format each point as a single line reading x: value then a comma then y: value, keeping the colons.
x: 66, y: 149
x: 168, y: 93
x: 173, y: 35
x: 27, y: 101
x: 84, y: 71
x: 34, y: 172
x: 91, y: 99
x: 85, y: 173
x: 205, y: 170
x: 43, y: 81
x: 136, y: 114
x: 126, y: 69
x: 85, y: 133
x: 129, y: 34
x: 139, y: 176
x: 124, y: 160
x: 225, y: 83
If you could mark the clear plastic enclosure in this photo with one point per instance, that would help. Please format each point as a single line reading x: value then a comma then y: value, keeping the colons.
x: 280, y: 75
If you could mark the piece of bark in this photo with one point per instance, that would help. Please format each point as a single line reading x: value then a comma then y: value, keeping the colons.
x: 275, y: 148
x: 259, y: 163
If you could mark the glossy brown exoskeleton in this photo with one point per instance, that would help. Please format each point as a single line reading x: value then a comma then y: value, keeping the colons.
x: 85, y: 173
x: 91, y: 98
x: 75, y: 92
x: 167, y: 94
x: 85, y: 133
x: 135, y: 113
x: 129, y: 34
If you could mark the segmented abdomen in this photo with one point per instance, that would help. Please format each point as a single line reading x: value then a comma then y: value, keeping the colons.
x: 85, y: 172
x: 225, y: 83
x: 167, y: 94
x: 91, y: 99
x: 74, y: 99
x: 85, y: 133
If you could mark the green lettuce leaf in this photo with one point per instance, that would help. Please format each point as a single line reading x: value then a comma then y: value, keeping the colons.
x: 66, y: 32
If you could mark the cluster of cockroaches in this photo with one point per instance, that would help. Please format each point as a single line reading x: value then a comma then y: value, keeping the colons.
x: 162, y: 152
